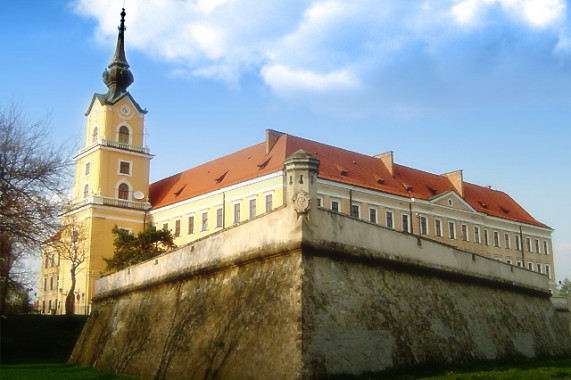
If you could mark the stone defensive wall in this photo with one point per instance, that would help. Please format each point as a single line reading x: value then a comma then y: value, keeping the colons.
x: 303, y: 295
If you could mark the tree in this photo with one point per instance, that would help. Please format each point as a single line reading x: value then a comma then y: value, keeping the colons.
x: 565, y: 287
x: 32, y: 177
x: 72, y: 246
x: 131, y: 249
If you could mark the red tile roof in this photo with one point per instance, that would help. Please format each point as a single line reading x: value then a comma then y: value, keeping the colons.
x: 336, y: 164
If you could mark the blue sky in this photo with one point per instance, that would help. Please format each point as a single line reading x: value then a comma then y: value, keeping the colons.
x: 478, y: 85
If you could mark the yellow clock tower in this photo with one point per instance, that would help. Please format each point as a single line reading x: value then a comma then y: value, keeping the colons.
x: 111, y: 185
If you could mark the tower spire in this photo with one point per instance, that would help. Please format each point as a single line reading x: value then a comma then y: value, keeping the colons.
x: 118, y: 77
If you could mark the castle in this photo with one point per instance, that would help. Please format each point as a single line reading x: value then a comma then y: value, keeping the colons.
x: 112, y: 189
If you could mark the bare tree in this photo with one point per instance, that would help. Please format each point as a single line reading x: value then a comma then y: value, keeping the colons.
x: 72, y: 246
x: 32, y: 180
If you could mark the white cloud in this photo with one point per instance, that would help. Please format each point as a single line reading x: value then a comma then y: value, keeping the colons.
x: 381, y: 52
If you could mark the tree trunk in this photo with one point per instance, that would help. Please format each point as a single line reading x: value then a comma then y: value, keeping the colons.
x: 6, y: 261
x: 70, y: 299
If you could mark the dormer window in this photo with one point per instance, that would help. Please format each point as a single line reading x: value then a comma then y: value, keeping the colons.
x: 124, y: 134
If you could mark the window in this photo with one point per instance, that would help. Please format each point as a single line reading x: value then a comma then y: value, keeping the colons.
x: 319, y: 202
x: 94, y: 135
x: 496, y: 239
x: 464, y: 230
x: 47, y: 261
x: 528, y: 244
x: 507, y: 240
x: 548, y: 270
x: 486, y: 239
x: 45, y: 283
x: 545, y: 250
x: 537, y: 246
x: 87, y: 168
x: 355, y: 211
x: 204, y: 221
x: 520, y: 263
x: 373, y: 215
x: 529, y: 265
x: 423, y: 225
x: 477, y: 235
x: 165, y: 226
x: 52, y: 260
x: 405, y: 226
x: 236, y: 212
x: 219, y: 218
x: 438, y: 227
x: 123, y: 192
x: 517, y: 242
x: 335, y: 206
x: 124, y: 134
x: 124, y: 167
x: 49, y: 306
x: 539, y: 268
x: 177, y: 228
x: 86, y: 191
x: 509, y: 261
x: 389, y: 219
x: 269, y: 202
x: 51, y: 283
x: 452, y: 230
x: 252, y: 204
x: 191, y: 224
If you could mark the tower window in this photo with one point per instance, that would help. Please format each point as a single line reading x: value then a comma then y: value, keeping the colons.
x: 86, y: 191
x: 123, y: 192
x: 124, y: 167
x: 124, y: 134
x: 94, y: 135
x: 87, y: 168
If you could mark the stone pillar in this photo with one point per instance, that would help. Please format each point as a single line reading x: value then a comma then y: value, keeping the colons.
x: 301, y: 170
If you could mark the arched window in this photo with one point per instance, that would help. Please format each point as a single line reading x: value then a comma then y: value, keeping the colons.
x: 123, y: 192
x: 86, y: 190
x: 95, y: 135
x: 124, y: 134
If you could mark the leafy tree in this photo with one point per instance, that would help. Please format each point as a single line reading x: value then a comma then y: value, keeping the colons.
x: 131, y: 249
x: 32, y: 176
x: 565, y: 287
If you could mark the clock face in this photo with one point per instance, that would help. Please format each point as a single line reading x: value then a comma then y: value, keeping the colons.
x: 125, y: 110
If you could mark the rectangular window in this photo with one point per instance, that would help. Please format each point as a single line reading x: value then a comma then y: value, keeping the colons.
x: 191, y: 224
x: 496, y: 239
x: 319, y: 202
x: 204, y: 221
x: 335, y: 206
x: 517, y: 242
x: 87, y: 168
x: 166, y: 226
x: 423, y: 225
x: 477, y: 235
x: 464, y: 229
x: 252, y: 208
x: 47, y: 263
x: 548, y: 270
x: 509, y: 261
x: 405, y: 226
x: 507, y: 240
x: 528, y: 244
x: 539, y: 268
x: 355, y: 211
x: 520, y: 263
x: 45, y: 283
x: 269, y: 202
x: 438, y: 227
x: 373, y: 215
x: 537, y: 246
x: 529, y: 265
x: 236, y: 212
x: 177, y: 228
x: 124, y: 167
x: 219, y: 218
x: 545, y: 250
x: 389, y: 219
x: 51, y: 283
x: 486, y: 238
x: 452, y: 230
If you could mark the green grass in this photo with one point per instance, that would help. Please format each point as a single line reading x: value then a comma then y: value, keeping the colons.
x: 54, y: 371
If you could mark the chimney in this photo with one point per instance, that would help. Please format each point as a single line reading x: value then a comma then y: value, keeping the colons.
x: 387, y: 160
x: 271, y: 139
x: 457, y: 181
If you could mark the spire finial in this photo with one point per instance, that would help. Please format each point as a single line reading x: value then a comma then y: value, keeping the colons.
x: 118, y: 77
